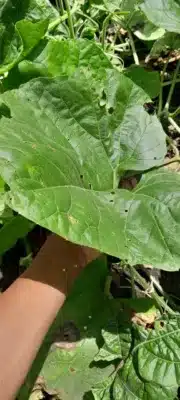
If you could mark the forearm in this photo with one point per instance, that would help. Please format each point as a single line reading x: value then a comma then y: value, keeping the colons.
x: 27, y: 309
x: 30, y: 305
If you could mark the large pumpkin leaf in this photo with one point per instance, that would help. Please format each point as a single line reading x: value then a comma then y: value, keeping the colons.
x: 163, y: 13
x: 128, y: 386
x: 65, y: 151
x: 159, y: 355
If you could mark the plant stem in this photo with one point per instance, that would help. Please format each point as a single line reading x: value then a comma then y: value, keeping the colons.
x: 160, y: 105
x: 172, y: 86
x: 170, y: 82
x: 105, y: 24
x: 174, y: 159
x: 175, y: 113
x: 160, y: 302
x: 70, y: 21
x: 172, y: 145
x: 132, y: 283
x: 60, y: 6
x: 173, y: 123
x: 136, y: 59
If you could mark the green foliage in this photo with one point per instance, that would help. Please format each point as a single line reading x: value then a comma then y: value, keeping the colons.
x: 149, y: 81
x: 71, y: 137
x: 89, y: 182
x: 163, y: 13
x: 21, y: 28
x: 158, y: 356
x: 14, y: 228
x: 169, y: 41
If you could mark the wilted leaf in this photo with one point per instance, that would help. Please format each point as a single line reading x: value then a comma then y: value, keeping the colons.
x: 159, y: 355
x: 128, y: 386
x: 149, y: 81
x: 163, y: 13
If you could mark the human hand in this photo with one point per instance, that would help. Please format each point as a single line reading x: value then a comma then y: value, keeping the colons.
x: 59, y: 262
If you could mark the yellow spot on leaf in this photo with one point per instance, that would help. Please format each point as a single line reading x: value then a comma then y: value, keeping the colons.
x: 72, y: 219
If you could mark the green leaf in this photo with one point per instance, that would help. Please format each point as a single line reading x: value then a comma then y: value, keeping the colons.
x: 27, y: 35
x: 102, y: 390
x: 71, y: 373
x: 149, y: 31
x: 55, y: 57
x: 22, y: 26
x: 149, y: 81
x: 14, y: 229
x: 121, y: 5
x: 117, y: 339
x: 170, y: 41
x: 159, y: 356
x: 68, y: 372
x: 128, y: 386
x: 163, y: 13
x: 64, y: 150
x: 2, y: 198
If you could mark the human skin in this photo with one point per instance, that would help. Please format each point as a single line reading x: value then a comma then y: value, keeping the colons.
x: 29, y: 306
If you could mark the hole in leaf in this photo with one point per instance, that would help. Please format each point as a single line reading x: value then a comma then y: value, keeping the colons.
x: 90, y: 186
x: 81, y: 176
x: 111, y: 201
x: 126, y: 211
x: 162, y: 324
x: 72, y: 369
x: 110, y: 110
x: 155, y: 158
x: 112, y: 192
x: 5, y: 111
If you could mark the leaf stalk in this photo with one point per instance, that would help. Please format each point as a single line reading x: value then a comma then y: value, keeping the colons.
x: 70, y: 21
x: 159, y: 301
